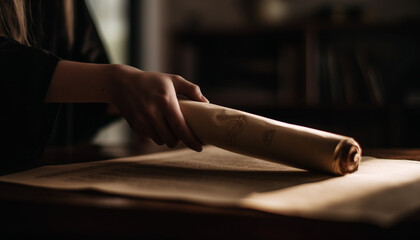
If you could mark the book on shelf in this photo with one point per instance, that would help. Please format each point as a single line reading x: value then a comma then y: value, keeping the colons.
x: 356, y: 89
x: 335, y: 80
x: 371, y: 76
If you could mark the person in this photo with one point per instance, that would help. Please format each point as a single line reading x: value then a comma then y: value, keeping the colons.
x: 59, y: 87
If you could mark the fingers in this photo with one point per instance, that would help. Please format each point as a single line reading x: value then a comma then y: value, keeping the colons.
x: 152, y: 115
x: 175, y: 117
x: 143, y: 127
x: 171, y: 127
x: 180, y: 128
x: 188, y: 89
x: 165, y: 132
x: 164, y: 123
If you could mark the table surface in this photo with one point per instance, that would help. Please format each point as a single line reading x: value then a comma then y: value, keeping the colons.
x: 29, y: 212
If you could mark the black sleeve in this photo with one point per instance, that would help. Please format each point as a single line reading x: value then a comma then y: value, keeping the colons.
x: 25, y: 74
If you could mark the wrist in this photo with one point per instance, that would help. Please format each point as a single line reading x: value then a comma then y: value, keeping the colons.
x: 114, y: 81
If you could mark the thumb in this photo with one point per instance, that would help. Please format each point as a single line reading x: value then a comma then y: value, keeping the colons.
x: 188, y: 89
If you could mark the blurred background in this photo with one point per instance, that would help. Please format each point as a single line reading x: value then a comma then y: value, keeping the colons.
x: 347, y: 66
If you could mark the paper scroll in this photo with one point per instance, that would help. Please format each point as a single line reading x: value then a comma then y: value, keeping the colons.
x: 272, y: 140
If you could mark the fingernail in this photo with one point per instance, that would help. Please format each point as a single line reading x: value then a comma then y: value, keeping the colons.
x: 205, y: 99
x: 198, y: 149
x: 157, y: 141
x: 172, y: 144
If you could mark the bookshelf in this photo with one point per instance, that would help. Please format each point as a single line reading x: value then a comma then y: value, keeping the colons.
x: 352, y: 78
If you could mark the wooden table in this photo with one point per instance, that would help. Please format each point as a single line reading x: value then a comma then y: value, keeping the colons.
x: 28, y: 212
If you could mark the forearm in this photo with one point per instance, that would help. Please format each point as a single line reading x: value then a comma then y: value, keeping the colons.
x: 75, y: 82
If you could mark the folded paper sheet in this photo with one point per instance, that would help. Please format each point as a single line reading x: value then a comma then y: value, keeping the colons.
x: 381, y: 192
x: 276, y: 141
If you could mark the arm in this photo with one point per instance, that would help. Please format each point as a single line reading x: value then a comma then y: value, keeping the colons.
x: 147, y: 100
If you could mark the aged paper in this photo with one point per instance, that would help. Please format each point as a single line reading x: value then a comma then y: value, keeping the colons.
x: 272, y: 140
x: 381, y: 192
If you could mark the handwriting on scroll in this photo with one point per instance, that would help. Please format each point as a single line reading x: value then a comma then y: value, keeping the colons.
x: 267, y: 136
x: 234, y: 127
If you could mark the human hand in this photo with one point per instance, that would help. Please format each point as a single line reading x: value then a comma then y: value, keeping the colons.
x: 149, y: 103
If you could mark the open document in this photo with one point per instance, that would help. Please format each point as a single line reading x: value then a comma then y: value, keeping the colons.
x: 381, y: 192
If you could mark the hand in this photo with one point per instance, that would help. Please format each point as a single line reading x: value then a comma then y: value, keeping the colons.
x: 149, y: 103
x: 147, y: 100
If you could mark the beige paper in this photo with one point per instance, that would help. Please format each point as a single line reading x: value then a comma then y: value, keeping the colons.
x: 276, y: 141
x: 382, y: 191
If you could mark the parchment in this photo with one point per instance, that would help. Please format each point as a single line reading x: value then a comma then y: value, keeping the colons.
x: 272, y: 140
x: 381, y: 192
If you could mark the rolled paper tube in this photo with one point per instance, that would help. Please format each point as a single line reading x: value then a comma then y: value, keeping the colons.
x: 268, y: 139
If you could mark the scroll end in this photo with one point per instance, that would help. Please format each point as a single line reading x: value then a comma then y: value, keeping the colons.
x: 349, y: 156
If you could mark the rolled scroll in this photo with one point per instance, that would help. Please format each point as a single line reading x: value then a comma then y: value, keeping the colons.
x: 271, y: 140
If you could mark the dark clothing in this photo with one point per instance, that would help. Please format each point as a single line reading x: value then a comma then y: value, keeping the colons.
x: 29, y: 124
